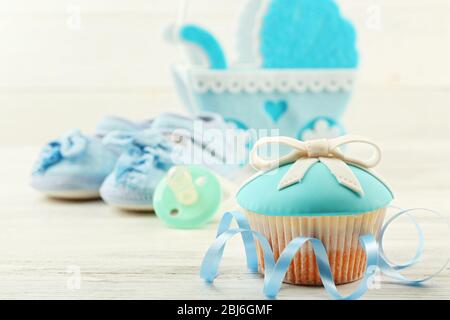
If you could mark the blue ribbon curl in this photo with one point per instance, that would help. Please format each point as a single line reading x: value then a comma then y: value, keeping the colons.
x: 274, y: 272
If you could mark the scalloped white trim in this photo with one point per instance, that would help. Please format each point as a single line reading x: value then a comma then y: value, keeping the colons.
x: 269, y: 81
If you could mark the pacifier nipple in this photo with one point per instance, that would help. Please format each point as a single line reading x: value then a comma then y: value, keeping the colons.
x: 188, y: 197
x: 181, y: 183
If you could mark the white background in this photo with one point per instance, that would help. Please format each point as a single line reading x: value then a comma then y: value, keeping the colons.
x: 61, y: 70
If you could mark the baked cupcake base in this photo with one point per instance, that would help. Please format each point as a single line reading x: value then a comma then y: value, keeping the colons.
x: 339, y: 234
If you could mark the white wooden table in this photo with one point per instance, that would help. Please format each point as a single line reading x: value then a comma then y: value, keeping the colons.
x: 119, y: 255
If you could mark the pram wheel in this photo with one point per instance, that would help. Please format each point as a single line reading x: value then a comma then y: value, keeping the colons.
x: 236, y: 124
x: 321, y: 128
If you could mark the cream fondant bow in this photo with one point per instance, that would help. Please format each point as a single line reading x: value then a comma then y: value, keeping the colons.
x: 306, y: 154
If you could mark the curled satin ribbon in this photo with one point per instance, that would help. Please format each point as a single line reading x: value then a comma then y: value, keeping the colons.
x: 306, y: 154
x: 274, y: 272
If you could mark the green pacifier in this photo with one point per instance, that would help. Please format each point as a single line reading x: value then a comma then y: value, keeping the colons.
x: 188, y: 197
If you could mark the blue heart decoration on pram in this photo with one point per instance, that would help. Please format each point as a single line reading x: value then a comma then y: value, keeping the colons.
x: 275, y: 110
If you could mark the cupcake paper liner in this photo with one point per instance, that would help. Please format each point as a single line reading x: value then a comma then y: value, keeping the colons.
x: 339, y: 234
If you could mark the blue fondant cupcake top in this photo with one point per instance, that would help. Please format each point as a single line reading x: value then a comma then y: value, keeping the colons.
x: 318, y: 194
x: 307, y: 34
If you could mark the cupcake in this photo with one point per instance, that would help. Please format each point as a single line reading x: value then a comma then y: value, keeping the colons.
x: 316, y: 191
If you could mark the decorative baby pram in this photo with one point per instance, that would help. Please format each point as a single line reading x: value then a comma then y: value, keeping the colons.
x: 295, y: 74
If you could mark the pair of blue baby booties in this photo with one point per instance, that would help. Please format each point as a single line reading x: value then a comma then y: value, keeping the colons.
x: 123, y: 162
